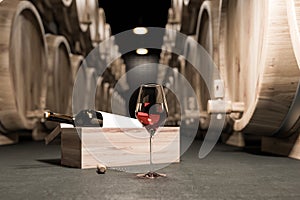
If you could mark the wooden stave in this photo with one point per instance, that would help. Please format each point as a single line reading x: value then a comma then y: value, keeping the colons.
x: 291, y: 124
x: 257, y: 119
x: 293, y: 12
x: 58, y: 59
x: 14, y: 115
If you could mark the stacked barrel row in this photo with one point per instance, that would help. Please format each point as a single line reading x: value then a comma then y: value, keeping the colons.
x: 182, y: 18
x: 43, y: 45
x: 255, y: 46
x: 169, y: 40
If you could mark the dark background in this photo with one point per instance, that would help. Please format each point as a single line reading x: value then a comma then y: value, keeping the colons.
x: 124, y: 15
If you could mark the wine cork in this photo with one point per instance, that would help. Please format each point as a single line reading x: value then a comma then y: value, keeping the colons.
x: 101, y: 169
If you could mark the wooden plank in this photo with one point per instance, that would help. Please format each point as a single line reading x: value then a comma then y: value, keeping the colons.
x: 71, y: 157
x: 49, y: 138
x: 289, y: 147
x: 70, y: 148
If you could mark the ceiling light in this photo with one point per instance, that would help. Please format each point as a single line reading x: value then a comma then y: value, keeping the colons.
x: 142, y: 51
x: 140, y: 30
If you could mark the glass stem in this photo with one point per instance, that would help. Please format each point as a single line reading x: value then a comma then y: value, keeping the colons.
x: 151, y: 135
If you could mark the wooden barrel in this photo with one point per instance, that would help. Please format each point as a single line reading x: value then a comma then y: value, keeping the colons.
x: 109, y: 99
x: 82, y: 14
x: 110, y: 47
x: 86, y: 84
x: 78, y: 40
x: 91, y: 86
x: 191, y: 104
x: 60, y: 81
x: 99, y: 103
x: 85, y: 43
x: 208, y: 25
x: 101, y: 25
x: 46, y: 13
x: 258, y: 63
x: 107, y: 31
x: 76, y: 62
x: 118, y: 104
x: 118, y: 68
x: 78, y: 95
x: 292, y: 120
x: 105, y: 94
x: 87, y: 11
x: 175, y: 12
x: 103, y: 48
x: 293, y: 11
x: 105, y: 85
x: 207, y: 35
x: 23, y: 65
x: 62, y: 17
x: 190, y: 12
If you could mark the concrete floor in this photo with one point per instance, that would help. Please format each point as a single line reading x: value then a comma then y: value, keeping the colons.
x: 31, y: 170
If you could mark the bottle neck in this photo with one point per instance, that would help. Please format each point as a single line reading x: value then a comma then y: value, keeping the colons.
x: 61, y: 118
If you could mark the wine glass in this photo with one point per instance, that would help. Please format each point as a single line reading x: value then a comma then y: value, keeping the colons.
x: 151, y: 110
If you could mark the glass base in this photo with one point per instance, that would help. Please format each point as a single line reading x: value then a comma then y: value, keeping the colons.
x: 151, y: 175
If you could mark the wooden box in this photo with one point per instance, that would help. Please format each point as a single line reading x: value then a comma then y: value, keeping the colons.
x: 114, y: 147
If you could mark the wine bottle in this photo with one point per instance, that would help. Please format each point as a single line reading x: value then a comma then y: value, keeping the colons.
x: 85, y: 118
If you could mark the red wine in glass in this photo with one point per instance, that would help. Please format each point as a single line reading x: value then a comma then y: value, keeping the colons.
x: 152, y: 116
x: 152, y: 111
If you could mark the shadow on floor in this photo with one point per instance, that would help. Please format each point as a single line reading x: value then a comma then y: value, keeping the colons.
x: 51, y: 161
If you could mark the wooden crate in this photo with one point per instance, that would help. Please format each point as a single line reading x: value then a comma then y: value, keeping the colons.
x: 114, y: 147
